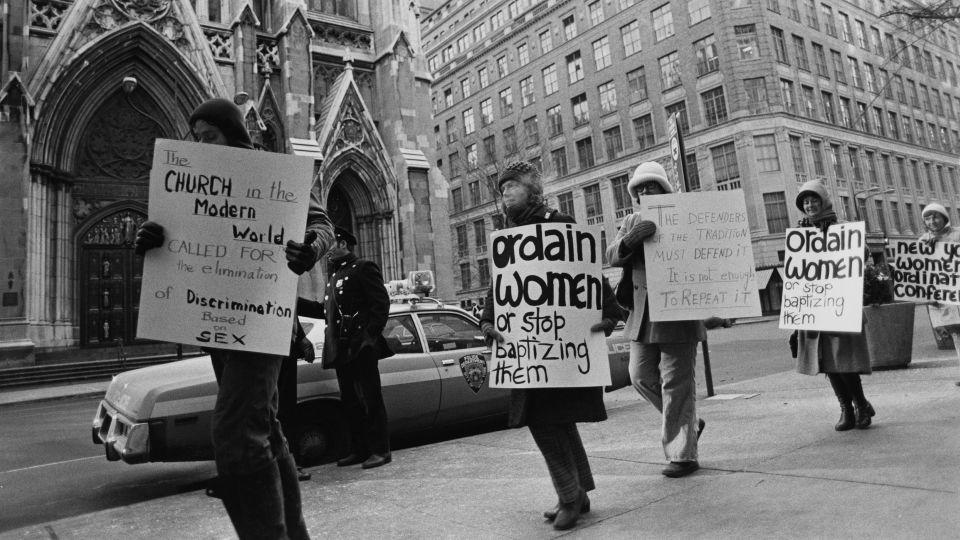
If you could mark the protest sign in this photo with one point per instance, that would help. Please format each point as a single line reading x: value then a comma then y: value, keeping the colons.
x: 547, y: 293
x: 220, y: 279
x: 927, y: 273
x: 823, y: 278
x: 699, y: 263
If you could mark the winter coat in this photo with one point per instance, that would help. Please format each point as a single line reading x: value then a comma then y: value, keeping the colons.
x: 555, y: 405
x: 829, y: 352
x: 639, y: 327
x: 946, y: 316
x: 356, y: 306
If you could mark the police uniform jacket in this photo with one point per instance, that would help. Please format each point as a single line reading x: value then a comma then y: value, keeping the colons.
x: 355, y: 307
x: 540, y: 406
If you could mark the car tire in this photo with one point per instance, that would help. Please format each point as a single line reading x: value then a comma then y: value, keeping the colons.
x: 320, y: 442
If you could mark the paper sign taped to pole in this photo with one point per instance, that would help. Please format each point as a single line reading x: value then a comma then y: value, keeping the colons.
x: 547, y: 293
x: 220, y: 279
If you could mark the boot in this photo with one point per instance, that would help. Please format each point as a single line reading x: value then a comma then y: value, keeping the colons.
x: 862, y: 410
x: 292, y: 506
x: 584, y: 507
x: 254, y: 503
x: 846, y: 406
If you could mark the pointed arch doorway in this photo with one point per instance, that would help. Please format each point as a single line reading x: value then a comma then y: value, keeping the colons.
x: 350, y: 206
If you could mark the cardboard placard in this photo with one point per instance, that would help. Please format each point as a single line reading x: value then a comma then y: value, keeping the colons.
x: 699, y: 263
x: 823, y: 278
x: 547, y: 293
x: 220, y: 279
x: 927, y: 273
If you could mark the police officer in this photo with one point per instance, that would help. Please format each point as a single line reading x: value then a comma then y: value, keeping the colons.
x: 356, y: 306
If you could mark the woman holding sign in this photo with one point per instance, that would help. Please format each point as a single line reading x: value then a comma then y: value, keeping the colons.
x: 937, y: 221
x: 841, y: 356
x: 552, y: 413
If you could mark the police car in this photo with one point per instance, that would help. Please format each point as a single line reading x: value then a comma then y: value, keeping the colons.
x: 438, y: 377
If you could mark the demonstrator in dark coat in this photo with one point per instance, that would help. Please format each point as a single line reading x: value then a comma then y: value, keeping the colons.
x: 356, y: 306
x: 552, y: 413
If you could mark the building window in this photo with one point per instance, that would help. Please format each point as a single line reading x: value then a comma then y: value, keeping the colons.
x: 581, y: 112
x: 526, y: 92
x: 765, y: 147
x: 863, y: 118
x: 820, y: 57
x: 816, y: 152
x: 465, y: 87
x: 569, y: 27
x: 669, y: 71
x: 829, y: 26
x: 846, y: 32
x: 747, y: 41
x: 643, y: 130
x: 811, y: 10
x: 698, y: 10
x: 465, y: 278
x: 497, y: 20
x: 483, y: 272
x: 756, y: 92
x: 870, y: 78
x: 594, y: 207
x: 775, y: 205
x: 714, y: 106
x: 468, y: 126
x: 523, y: 54
x: 662, y: 22
x: 853, y: 156
x: 693, y: 172
x: 828, y: 113
x: 454, y: 162
x: 895, y: 214
x: 608, y: 97
x: 800, y: 50
x: 613, y: 142
x: 854, y: 68
x: 506, y: 102
x: 786, y: 93
x: 550, y: 83
x: 595, y: 10
x: 796, y: 156
x: 574, y: 67
x: 502, y: 69
x: 462, y: 247
x: 475, y: 198
x: 725, y: 167
x: 621, y: 197
x: 872, y: 176
x: 630, y: 35
x: 489, y: 149
x: 838, y: 73
x: 448, y: 97
x: 457, y: 196
x: 793, y: 10
x: 480, y: 235
x: 559, y: 159
x: 510, y: 140
x: 483, y: 77
x: 837, y: 162
x: 637, y: 83
x: 479, y: 32
x: 565, y: 204
x: 471, y: 151
x: 585, y: 153
x: 451, y: 125
x: 546, y: 41
x: 680, y: 109
x: 555, y: 120
x: 707, y: 59
x: 531, y: 131
x: 809, y: 102
x: 779, y: 45
x: 601, y: 52
x: 486, y: 112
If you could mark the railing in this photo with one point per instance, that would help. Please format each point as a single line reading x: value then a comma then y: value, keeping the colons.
x: 624, y: 212
x: 595, y: 220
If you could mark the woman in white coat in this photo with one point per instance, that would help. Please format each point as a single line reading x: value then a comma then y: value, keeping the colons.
x: 937, y: 222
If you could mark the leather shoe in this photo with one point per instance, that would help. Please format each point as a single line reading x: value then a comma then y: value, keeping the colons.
x: 567, y: 515
x: 303, y: 475
x: 352, y: 459
x: 584, y: 507
x: 377, y: 460
x: 676, y: 469
x: 700, y: 425
x: 863, y: 414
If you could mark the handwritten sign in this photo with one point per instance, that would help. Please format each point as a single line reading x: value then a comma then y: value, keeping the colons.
x: 823, y: 278
x: 700, y: 261
x: 221, y: 280
x: 547, y: 293
x: 927, y: 273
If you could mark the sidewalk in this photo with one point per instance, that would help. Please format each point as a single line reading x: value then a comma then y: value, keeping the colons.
x: 773, y: 467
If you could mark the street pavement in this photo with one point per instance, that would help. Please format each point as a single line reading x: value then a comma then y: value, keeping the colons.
x: 772, y: 467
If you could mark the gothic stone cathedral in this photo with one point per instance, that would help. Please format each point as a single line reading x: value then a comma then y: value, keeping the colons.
x: 88, y: 85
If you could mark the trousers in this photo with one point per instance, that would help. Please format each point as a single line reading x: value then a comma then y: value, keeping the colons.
x: 663, y: 373
x: 362, y: 399
x: 562, y: 449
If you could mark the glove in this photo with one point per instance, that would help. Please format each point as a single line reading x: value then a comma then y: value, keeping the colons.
x: 641, y: 230
x: 794, y: 343
x: 302, y: 257
x: 149, y: 236
x: 490, y: 334
x: 606, y: 326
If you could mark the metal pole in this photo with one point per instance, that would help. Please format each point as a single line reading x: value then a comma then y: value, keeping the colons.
x: 706, y: 367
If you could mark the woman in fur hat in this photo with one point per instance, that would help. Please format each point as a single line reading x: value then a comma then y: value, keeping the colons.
x: 663, y: 355
x: 552, y: 413
x: 943, y: 316
x: 841, y: 356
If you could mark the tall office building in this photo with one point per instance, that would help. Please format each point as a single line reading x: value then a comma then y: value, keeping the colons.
x: 88, y: 85
x: 769, y: 94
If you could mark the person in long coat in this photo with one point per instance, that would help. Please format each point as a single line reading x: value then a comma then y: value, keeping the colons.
x: 356, y: 307
x: 937, y: 222
x: 551, y: 414
x: 842, y: 357
x: 663, y: 355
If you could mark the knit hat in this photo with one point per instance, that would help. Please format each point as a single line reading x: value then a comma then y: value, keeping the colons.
x: 935, y: 207
x: 650, y: 171
x: 525, y: 173
x: 813, y: 187
x: 225, y: 116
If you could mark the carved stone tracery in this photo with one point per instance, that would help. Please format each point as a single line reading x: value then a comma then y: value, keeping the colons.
x: 268, y: 55
x: 47, y: 14
x: 118, y: 142
x: 119, y: 229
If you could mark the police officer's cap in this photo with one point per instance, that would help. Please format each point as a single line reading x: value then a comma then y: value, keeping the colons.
x: 343, y: 235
